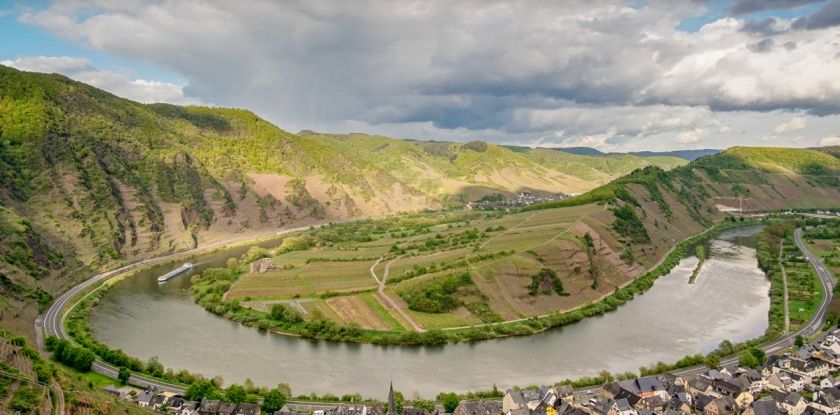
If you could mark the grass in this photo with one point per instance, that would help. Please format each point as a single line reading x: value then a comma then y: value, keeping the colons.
x: 444, y: 320
x: 381, y: 312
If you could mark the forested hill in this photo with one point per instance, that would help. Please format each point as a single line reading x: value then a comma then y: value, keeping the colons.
x: 89, y: 180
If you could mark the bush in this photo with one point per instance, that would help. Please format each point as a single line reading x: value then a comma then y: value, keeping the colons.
x: 78, y: 358
x: 437, y: 296
x: 284, y: 313
x: 545, y: 281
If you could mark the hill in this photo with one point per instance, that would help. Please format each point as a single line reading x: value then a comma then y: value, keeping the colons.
x: 89, y: 180
x: 459, y: 269
x: 689, y: 155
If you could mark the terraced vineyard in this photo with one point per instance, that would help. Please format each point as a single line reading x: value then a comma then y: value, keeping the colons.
x: 498, y: 253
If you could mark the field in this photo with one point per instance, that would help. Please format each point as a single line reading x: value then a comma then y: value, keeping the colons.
x: 335, y: 272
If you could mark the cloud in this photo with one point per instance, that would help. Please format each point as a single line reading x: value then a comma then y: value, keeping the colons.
x: 827, y: 16
x: 118, y: 83
x: 795, y: 124
x: 688, y: 137
x: 615, y: 73
x: 833, y: 140
x: 752, y: 6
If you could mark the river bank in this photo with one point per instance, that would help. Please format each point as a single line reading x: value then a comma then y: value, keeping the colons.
x: 124, y: 317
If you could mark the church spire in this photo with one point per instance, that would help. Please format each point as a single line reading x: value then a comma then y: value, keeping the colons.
x: 392, y: 405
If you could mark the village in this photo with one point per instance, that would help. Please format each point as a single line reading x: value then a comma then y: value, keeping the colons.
x: 805, y: 381
x: 522, y: 199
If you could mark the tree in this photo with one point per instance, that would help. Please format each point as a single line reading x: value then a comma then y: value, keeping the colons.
x: 154, y: 367
x: 399, y: 401
x: 712, y: 361
x: 799, y: 341
x: 286, y: 390
x: 273, y: 401
x: 124, y: 375
x: 759, y: 354
x: 200, y: 390
x: 449, y: 400
x: 235, y: 393
x: 747, y: 359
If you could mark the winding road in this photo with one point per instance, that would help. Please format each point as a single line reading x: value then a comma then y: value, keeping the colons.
x: 51, y: 322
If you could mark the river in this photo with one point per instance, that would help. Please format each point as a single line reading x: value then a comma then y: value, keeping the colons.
x: 728, y: 301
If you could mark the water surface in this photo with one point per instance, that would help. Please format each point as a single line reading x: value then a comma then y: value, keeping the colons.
x: 728, y: 301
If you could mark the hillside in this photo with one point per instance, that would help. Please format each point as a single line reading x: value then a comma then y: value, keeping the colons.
x: 89, y: 180
x: 552, y: 261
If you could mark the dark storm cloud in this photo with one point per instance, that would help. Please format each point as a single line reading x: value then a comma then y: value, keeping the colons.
x: 827, y: 16
x: 751, y: 6
x: 762, y: 46
x: 763, y: 27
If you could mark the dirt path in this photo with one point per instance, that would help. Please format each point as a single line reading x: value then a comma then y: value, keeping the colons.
x: 382, y: 295
x: 480, y: 247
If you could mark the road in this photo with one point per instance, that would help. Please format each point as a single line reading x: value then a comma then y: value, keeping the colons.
x: 51, y: 322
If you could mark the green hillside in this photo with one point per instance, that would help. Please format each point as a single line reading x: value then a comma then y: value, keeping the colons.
x: 89, y: 180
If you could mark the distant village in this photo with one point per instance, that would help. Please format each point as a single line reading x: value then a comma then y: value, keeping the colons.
x: 498, y: 201
x: 802, y: 382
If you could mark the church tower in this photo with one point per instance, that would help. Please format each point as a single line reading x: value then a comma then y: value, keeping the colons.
x: 392, y: 406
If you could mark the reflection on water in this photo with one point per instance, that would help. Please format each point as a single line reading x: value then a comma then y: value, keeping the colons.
x: 728, y: 301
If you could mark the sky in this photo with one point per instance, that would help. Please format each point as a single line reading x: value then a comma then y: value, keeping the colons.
x: 614, y: 75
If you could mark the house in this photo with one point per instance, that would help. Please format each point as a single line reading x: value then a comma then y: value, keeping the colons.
x: 622, y: 407
x: 247, y: 409
x: 701, y: 401
x: 752, y: 380
x: 144, y: 399
x: 724, y: 405
x: 529, y: 399
x: 727, y: 387
x: 825, y: 400
x: 158, y: 401
x: 208, y: 407
x: 649, y: 386
x: 794, y: 404
x: 763, y: 407
x: 189, y: 408
x: 699, y: 385
x: 414, y: 411
x: 478, y: 407
x: 654, y: 403
x: 627, y: 389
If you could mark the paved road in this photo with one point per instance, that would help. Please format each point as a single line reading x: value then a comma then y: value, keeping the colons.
x: 51, y: 322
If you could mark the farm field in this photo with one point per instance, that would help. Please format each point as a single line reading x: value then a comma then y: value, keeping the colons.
x: 335, y: 272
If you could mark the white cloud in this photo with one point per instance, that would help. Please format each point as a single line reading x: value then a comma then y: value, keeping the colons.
x: 795, y: 124
x: 611, y: 74
x: 688, y: 137
x: 833, y: 140
x: 118, y: 83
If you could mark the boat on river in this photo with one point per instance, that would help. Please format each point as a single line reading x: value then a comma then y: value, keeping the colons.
x: 176, y: 272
